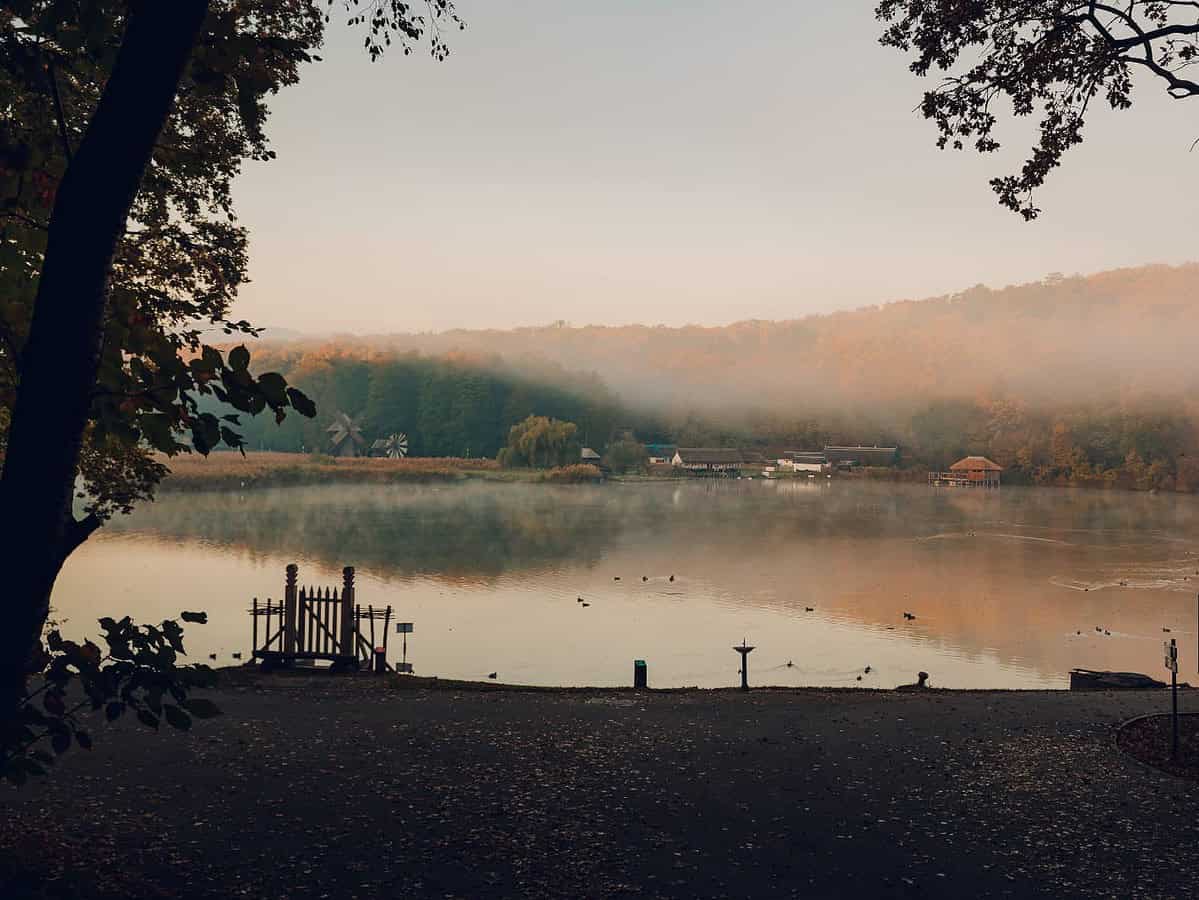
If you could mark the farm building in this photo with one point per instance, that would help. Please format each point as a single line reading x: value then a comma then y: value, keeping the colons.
x: 802, y: 461
x: 660, y: 453
x: 861, y: 456
x: 589, y: 457
x: 708, y: 460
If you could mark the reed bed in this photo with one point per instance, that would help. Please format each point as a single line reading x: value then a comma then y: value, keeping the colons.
x: 232, y: 471
x: 226, y: 470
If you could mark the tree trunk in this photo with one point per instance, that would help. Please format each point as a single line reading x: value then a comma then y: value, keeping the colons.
x: 61, y: 355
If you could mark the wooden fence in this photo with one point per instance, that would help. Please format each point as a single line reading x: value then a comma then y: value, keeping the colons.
x: 319, y: 624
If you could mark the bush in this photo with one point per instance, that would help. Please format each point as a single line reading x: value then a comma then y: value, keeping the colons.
x: 576, y: 474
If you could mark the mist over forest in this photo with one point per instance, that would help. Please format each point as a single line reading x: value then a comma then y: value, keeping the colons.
x: 1068, y: 380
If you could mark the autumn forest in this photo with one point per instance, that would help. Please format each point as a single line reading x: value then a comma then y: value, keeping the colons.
x: 1070, y: 380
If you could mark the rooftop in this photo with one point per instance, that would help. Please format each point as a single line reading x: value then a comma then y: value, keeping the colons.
x: 710, y: 455
x: 975, y: 464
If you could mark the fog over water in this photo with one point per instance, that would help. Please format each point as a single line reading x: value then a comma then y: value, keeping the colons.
x: 1001, y: 582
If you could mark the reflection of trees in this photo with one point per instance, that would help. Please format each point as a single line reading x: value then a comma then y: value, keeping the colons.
x: 448, y: 531
x: 477, y: 529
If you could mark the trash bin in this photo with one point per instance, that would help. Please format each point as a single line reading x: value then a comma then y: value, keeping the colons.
x: 640, y: 674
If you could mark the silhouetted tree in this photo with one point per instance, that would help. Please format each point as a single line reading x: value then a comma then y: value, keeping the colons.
x: 124, y: 124
x: 1049, y: 58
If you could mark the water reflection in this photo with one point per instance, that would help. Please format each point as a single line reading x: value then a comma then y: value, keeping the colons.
x: 1007, y: 586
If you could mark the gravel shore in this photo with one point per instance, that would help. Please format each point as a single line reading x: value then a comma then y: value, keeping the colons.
x: 311, y: 786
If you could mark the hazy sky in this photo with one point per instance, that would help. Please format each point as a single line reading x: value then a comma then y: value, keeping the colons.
x: 667, y: 162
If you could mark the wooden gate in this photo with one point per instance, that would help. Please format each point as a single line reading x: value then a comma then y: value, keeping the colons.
x: 315, y: 623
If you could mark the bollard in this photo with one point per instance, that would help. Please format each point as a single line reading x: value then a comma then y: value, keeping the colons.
x: 380, y: 660
x: 640, y: 674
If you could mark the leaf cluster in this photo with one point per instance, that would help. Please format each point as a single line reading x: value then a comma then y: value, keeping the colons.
x: 183, y: 258
x: 1046, y: 58
x: 140, y: 673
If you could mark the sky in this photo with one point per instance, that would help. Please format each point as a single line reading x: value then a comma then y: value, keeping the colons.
x: 667, y: 162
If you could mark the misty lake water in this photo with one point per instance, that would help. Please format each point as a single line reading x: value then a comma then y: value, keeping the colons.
x: 1001, y: 582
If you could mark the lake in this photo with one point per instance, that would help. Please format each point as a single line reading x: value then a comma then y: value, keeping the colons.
x: 1008, y: 587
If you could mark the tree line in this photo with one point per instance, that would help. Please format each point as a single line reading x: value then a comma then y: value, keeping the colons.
x: 447, y: 406
x: 459, y: 406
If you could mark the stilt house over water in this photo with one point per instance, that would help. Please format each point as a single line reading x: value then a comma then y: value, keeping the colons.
x: 973, y: 471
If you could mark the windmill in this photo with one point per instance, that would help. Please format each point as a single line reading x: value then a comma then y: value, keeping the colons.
x: 394, y: 446
x: 345, y: 437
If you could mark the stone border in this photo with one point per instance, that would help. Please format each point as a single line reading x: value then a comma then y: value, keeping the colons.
x: 1115, y: 741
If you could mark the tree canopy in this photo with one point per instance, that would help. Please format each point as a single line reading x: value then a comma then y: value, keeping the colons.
x: 1047, y: 58
x: 541, y: 442
x: 183, y: 256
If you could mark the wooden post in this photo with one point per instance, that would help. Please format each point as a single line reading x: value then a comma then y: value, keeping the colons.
x: 254, y: 640
x: 289, y: 609
x: 348, y: 625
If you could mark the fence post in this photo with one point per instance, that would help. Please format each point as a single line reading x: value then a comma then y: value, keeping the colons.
x: 289, y: 609
x: 348, y: 625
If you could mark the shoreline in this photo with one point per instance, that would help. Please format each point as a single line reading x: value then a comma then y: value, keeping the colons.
x: 248, y: 675
x: 228, y: 470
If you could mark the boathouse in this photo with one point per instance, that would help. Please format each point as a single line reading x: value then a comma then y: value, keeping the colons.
x: 973, y: 471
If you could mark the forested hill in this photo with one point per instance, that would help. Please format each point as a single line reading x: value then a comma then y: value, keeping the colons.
x: 1122, y: 335
x: 1069, y: 380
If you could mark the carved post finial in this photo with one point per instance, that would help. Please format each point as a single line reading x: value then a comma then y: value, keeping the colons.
x: 347, y: 576
x: 292, y: 573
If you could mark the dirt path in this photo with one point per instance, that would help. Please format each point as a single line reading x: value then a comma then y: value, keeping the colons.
x: 313, y: 787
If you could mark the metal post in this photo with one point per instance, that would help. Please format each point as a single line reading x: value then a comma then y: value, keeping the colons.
x: 1174, y: 697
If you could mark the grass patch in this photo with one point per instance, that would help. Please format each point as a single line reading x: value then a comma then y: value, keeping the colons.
x: 232, y: 471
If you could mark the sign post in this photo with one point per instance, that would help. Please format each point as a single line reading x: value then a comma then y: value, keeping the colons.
x: 1171, y: 660
x: 404, y: 628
